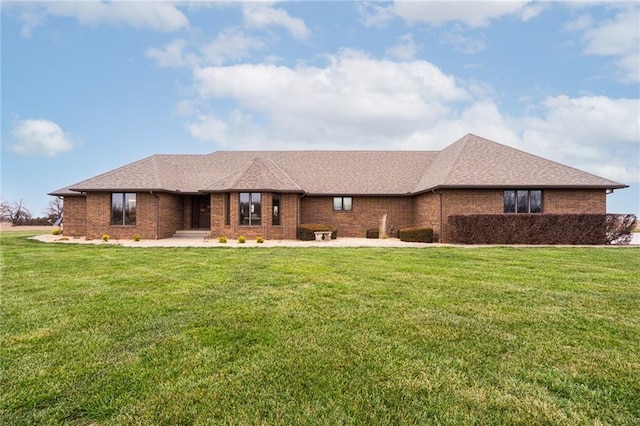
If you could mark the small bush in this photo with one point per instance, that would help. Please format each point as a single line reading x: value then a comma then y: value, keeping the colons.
x: 55, y: 232
x: 242, y: 239
x: 222, y: 239
x: 136, y: 237
x: 373, y: 233
x: 259, y: 240
x: 416, y: 235
x: 105, y: 237
x: 306, y: 231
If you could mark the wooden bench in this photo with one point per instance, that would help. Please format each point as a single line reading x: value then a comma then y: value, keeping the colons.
x: 323, y: 235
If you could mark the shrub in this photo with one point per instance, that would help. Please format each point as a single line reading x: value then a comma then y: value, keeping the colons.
x: 222, y: 239
x: 242, y: 239
x: 373, y: 233
x: 306, y: 231
x: 416, y: 235
x: 259, y: 240
x: 105, y: 237
x: 55, y: 232
x: 136, y: 237
x: 552, y: 229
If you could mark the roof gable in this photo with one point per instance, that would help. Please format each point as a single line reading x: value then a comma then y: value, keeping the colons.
x: 259, y: 174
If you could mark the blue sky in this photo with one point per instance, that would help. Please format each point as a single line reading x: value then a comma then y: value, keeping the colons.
x: 91, y: 86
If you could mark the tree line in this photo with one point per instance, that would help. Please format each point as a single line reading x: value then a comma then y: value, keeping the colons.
x: 18, y: 214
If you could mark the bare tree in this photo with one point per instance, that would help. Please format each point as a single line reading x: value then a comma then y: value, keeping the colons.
x: 15, y: 212
x: 54, y: 210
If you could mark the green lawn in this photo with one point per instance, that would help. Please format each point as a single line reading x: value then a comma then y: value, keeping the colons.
x: 101, y: 334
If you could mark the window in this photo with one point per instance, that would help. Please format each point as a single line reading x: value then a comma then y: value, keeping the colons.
x: 523, y: 201
x: 275, y: 209
x: 123, y: 208
x: 250, y: 208
x: 227, y: 209
x: 342, y: 203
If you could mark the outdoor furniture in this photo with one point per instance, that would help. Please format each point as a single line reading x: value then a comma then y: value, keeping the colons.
x: 323, y: 235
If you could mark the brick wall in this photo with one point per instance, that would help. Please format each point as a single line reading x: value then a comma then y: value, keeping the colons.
x: 170, y: 213
x: 427, y: 212
x: 74, y: 211
x: 287, y: 229
x: 366, y: 214
x: 574, y: 201
x: 91, y: 215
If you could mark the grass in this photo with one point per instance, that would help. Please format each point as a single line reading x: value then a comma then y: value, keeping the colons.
x: 109, y: 335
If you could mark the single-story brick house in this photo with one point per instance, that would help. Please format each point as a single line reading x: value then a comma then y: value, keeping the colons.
x: 270, y: 193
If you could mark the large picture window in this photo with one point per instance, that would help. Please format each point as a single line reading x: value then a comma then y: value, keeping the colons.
x: 523, y: 201
x: 250, y: 209
x: 123, y: 208
x: 342, y: 203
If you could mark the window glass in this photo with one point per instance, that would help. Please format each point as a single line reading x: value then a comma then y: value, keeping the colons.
x: 245, y: 198
x: 342, y: 203
x: 123, y: 208
x: 346, y: 203
x: 227, y: 209
x: 250, y: 208
x: 535, y: 201
x: 337, y: 203
x: 509, y: 201
x: 256, y: 209
x: 129, y: 209
x: 117, y: 208
x: 522, y: 202
x: 275, y: 210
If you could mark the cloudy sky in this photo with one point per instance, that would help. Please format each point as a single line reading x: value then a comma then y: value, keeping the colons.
x: 90, y: 86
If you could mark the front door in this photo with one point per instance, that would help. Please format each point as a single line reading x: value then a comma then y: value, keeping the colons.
x: 201, y: 212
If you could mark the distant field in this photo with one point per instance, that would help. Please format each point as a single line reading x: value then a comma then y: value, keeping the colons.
x: 102, y: 334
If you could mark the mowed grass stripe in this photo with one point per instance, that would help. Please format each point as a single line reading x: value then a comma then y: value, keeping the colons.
x: 110, y: 335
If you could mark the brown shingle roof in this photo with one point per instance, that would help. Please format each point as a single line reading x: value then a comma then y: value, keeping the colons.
x: 471, y: 161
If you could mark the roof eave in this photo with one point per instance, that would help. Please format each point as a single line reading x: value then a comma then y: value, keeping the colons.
x: 527, y: 186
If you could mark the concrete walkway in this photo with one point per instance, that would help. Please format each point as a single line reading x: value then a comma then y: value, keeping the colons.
x: 201, y: 242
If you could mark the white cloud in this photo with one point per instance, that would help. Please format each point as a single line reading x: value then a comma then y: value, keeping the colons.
x: 594, y: 133
x: 374, y: 15
x: 39, y: 137
x: 354, y: 98
x: 209, y: 128
x: 172, y: 55
x: 463, y: 43
x: 618, y: 37
x: 259, y: 15
x: 405, y: 48
x: 230, y: 44
x: 359, y: 102
x: 473, y: 13
x: 160, y: 16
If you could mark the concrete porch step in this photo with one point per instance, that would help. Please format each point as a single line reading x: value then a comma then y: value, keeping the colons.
x: 192, y: 233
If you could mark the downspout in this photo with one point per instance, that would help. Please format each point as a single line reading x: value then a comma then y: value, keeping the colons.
x: 157, y: 197
x: 440, y: 218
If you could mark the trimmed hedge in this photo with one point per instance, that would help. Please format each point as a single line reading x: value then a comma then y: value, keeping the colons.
x: 373, y: 233
x: 416, y: 235
x: 306, y: 231
x: 552, y: 229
